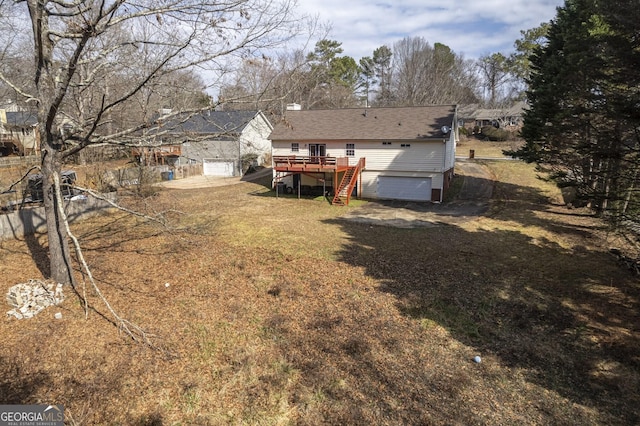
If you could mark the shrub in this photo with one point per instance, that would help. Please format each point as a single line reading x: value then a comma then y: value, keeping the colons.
x: 493, y: 134
x: 249, y: 160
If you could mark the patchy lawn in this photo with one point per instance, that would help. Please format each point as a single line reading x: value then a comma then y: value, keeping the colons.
x: 280, y: 312
x: 485, y: 149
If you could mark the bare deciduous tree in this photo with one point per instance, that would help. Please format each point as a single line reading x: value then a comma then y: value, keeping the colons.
x: 495, y: 71
x: 425, y: 74
x: 93, y: 59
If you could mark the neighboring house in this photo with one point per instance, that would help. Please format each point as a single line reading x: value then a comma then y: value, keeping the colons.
x: 507, y: 118
x: 18, y: 134
x: 219, y: 140
x: 405, y: 153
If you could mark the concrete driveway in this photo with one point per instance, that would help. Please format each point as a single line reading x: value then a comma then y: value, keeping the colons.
x: 193, y: 182
x: 471, y: 202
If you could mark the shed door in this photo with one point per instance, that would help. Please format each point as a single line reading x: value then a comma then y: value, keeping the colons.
x: 212, y: 167
x: 404, y: 188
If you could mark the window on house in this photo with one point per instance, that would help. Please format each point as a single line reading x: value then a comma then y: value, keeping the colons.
x: 386, y: 143
x: 405, y: 145
x: 351, y: 149
x: 295, y: 147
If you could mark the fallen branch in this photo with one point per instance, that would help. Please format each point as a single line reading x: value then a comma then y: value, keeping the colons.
x: 158, y: 219
x: 132, y: 330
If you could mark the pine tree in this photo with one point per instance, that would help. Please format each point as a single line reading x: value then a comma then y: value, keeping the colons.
x: 580, y: 124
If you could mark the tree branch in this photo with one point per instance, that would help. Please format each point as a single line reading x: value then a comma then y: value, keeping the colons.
x: 18, y: 90
x: 132, y: 330
x: 21, y: 179
x: 113, y: 204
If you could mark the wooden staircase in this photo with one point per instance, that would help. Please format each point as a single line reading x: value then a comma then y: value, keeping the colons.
x: 348, y: 182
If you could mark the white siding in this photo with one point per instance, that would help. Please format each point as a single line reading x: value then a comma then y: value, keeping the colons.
x: 425, y: 160
x: 213, y: 167
x: 419, y: 157
x: 254, y: 138
x: 451, y: 148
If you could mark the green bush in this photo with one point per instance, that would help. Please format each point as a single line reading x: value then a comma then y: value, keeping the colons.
x: 493, y: 134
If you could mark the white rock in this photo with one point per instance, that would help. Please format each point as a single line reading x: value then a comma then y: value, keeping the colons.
x: 28, y: 299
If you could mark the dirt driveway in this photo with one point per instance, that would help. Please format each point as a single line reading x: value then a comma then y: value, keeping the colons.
x: 472, y: 201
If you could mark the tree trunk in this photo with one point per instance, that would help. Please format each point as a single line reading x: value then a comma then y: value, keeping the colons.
x: 59, y: 254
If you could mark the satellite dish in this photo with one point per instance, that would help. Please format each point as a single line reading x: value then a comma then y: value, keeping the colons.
x: 445, y: 129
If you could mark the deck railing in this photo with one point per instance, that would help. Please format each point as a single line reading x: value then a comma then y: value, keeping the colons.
x: 298, y: 160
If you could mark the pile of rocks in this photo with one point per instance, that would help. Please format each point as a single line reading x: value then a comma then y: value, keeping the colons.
x: 29, y: 298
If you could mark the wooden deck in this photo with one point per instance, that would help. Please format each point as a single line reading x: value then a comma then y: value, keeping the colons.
x: 301, y: 163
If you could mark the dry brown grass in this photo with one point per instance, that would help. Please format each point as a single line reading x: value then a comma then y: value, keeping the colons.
x: 483, y: 149
x: 280, y: 312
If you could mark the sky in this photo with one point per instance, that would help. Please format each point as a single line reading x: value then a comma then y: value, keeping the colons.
x: 473, y: 28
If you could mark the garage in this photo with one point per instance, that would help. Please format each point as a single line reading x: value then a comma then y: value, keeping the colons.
x: 213, y: 167
x: 404, y: 188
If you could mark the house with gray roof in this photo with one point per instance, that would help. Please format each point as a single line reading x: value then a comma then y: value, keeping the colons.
x: 18, y: 132
x: 219, y: 140
x: 404, y: 153
x: 508, y: 117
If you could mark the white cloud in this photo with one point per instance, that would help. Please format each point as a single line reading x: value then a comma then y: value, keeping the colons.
x: 471, y: 27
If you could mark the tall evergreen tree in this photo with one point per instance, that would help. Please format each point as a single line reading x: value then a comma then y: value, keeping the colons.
x: 383, y: 72
x: 525, y: 47
x: 583, y: 93
x: 332, y: 78
x: 366, y: 77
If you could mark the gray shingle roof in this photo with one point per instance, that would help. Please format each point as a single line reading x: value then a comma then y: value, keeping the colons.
x: 475, y: 112
x: 405, y: 123
x: 22, y: 118
x: 209, y: 122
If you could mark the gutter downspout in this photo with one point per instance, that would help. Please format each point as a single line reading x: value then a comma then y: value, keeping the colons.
x: 444, y: 166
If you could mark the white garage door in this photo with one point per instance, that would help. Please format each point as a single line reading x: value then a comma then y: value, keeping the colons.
x: 404, y: 188
x: 217, y: 168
